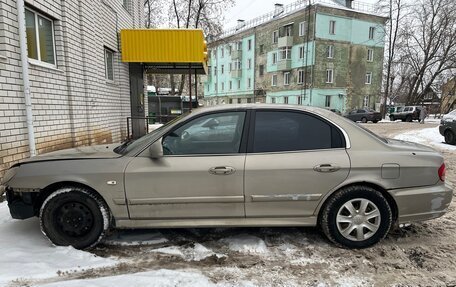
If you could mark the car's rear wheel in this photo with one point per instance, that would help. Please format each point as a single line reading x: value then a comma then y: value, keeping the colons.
x: 408, y: 119
x: 74, y: 216
x: 364, y: 120
x: 356, y: 217
x: 392, y: 118
x: 450, y: 137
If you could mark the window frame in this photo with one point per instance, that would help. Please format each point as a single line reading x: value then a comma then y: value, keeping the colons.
x: 302, y: 28
x: 249, y: 44
x: 370, y: 55
x: 330, y: 81
x: 332, y: 27
x: 301, y: 52
x: 106, y: 51
x: 274, y: 83
x: 286, y: 78
x: 301, y: 77
x: 368, y: 78
x: 275, y: 36
x: 327, y: 101
x: 330, y: 51
x: 37, y: 35
x: 371, y: 33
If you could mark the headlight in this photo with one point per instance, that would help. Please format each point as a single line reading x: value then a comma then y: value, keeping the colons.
x: 10, y: 173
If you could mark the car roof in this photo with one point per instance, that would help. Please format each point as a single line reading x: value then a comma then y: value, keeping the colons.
x: 234, y: 107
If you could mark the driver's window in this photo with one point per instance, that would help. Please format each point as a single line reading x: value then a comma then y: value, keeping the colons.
x: 218, y: 133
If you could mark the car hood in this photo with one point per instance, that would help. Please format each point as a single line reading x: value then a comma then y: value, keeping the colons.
x: 88, y: 152
x: 409, y: 146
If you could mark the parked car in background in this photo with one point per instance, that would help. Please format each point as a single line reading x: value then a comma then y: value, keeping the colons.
x: 407, y: 114
x: 266, y: 165
x: 395, y: 109
x: 447, y: 127
x: 364, y: 115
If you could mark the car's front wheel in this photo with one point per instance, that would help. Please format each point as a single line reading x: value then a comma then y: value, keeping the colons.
x: 392, y: 118
x: 356, y: 217
x: 74, y: 216
x: 364, y: 120
x: 450, y: 137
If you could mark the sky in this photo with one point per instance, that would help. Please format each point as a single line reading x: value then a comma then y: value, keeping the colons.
x: 249, y: 9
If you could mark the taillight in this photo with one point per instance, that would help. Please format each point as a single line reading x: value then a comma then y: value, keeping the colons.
x: 442, y: 171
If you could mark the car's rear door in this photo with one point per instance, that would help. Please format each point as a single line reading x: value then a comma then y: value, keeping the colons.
x: 200, y: 175
x: 294, y: 159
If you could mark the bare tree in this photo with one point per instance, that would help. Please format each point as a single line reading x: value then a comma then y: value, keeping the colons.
x: 429, y: 50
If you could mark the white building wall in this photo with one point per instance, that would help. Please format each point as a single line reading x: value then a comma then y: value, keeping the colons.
x: 73, y: 104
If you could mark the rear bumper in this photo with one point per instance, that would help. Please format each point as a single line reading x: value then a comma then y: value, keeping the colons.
x: 422, y: 203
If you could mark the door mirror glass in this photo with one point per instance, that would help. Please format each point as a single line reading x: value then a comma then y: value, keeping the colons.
x: 156, y: 149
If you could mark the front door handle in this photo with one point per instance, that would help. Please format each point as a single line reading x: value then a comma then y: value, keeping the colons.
x: 222, y: 170
x: 326, y: 168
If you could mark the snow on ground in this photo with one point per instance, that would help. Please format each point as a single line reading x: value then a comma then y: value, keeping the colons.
x: 196, y: 253
x: 30, y: 255
x: 246, y: 244
x: 135, y: 238
x: 429, y: 136
x: 162, y: 278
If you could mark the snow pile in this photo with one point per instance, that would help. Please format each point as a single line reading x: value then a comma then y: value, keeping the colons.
x: 196, y: 253
x: 29, y: 254
x: 162, y: 278
x: 135, y: 238
x: 246, y: 244
x: 430, y: 136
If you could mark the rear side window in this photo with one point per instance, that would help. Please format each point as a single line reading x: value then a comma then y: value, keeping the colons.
x: 292, y: 131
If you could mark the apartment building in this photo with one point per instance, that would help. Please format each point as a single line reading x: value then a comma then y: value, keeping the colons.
x: 80, y: 90
x: 324, y: 53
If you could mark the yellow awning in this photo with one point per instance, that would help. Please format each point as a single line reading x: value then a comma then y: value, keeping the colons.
x: 177, y: 51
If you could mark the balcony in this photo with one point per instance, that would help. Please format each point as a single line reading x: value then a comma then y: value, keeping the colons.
x: 236, y: 54
x: 286, y: 41
x: 236, y: 73
x: 284, y: 65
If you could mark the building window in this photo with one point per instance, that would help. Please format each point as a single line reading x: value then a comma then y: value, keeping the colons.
x: 330, y: 51
x: 366, y: 101
x: 299, y: 100
x: 230, y: 101
x: 302, y: 28
x: 249, y: 83
x: 368, y: 78
x: 249, y: 100
x: 230, y: 49
x: 239, y: 45
x: 109, y: 64
x: 274, y: 58
x: 223, y: 52
x: 249, y: 64
x: 370, y: 55
x: 215, y: 70
x: 40, y: 37
x: 215, y: 87
x: 301, y: 52
x: 285, y: 100
x: 273, y: 100
x: 288, y: 30
x: 249, y: 44
x: 286, y: 78
x: 300, y: 77
x: 261, y: 70
x: 237, y: 65
x: 239, y: 84
x: 275, y: 37
x: 261, y: 49
x: 285, y: 53
x: 329, y: 76
x: 274, y: 80
x: 332, y: 27
x: 328, y: 101
x: 230, y: 66
x: 230, y: 85
x: 223, y: 86
x: 239, y: 101
x: 222, y: 69
x: 371, y: 33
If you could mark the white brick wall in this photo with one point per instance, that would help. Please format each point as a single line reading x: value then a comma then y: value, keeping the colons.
x: 73, y: 104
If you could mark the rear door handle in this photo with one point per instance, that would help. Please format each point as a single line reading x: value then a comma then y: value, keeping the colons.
x: 326, y: 168
x: 222, y: 170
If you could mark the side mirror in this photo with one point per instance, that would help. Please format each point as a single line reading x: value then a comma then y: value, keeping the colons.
x: 156, y: 149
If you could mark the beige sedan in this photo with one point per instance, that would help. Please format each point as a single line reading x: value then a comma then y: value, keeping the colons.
x: 237, y: 165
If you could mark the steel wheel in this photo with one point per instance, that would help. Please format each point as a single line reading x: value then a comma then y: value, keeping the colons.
x: 358, y: 219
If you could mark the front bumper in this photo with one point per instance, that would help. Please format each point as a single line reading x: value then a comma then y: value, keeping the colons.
x: 21, y: 205
x: 422, y: 203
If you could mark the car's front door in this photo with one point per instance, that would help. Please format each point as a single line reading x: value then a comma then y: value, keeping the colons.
x: 200, y: 175
x: 294, y: 159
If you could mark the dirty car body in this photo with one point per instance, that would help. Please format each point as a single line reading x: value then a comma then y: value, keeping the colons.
x: 240, y: 165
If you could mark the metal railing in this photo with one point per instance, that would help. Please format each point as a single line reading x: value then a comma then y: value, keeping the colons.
x: 292, y: 7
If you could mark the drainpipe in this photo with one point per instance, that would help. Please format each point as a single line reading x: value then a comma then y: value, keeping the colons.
x: 25, y: 76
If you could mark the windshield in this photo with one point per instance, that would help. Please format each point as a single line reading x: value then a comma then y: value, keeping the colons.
x: 130, y: 145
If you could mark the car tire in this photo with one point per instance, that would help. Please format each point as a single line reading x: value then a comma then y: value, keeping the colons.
x: 392, y: 118
x: 74, y: 216
x: 364, y: 120
x: 408, y: 119
x: 375, y: 121
x: 450, y: 137
x: 348, y: 229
